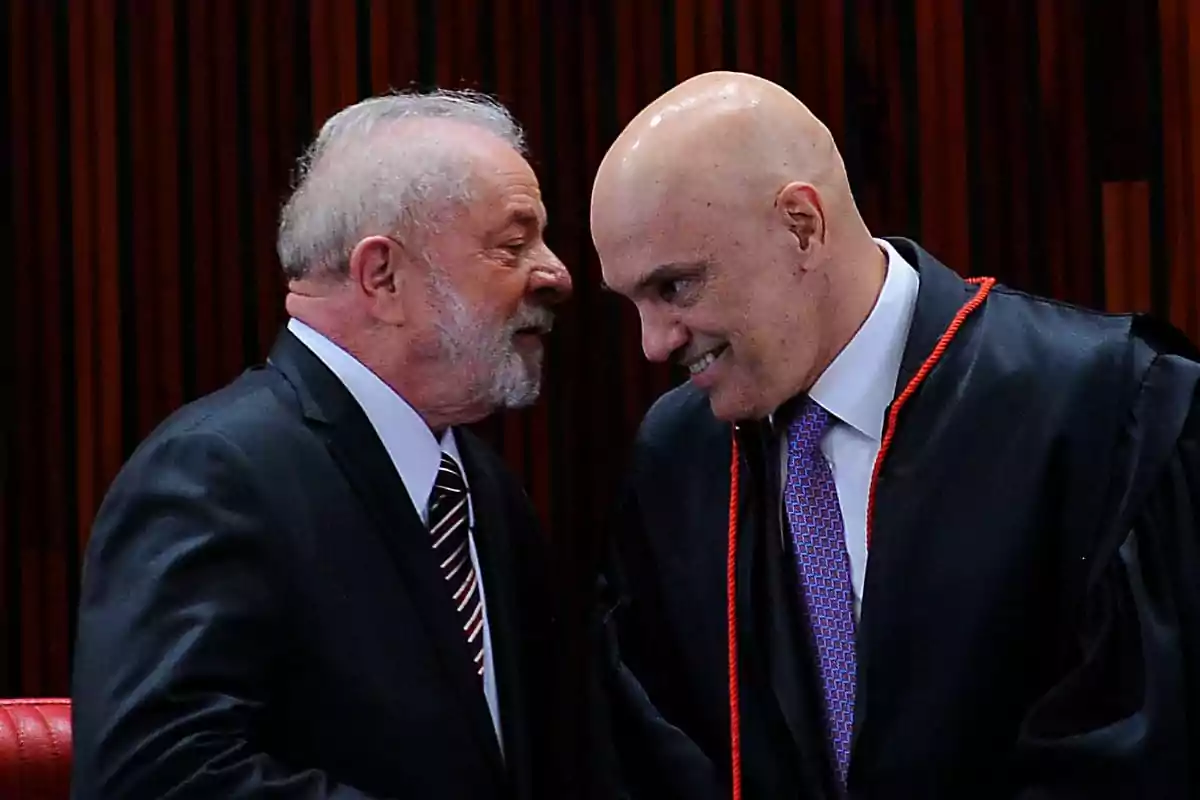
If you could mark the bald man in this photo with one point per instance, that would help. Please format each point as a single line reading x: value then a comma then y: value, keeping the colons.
x: 900, y: 534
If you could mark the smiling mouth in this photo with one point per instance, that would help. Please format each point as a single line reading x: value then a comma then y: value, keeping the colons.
x: 705, y: 361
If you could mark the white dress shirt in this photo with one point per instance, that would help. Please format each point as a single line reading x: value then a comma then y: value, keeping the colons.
x: 415, y: 453
x: 856, y: 390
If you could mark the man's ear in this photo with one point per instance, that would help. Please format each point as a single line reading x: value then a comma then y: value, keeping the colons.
x: 800, y: 205
x: 377, y: 270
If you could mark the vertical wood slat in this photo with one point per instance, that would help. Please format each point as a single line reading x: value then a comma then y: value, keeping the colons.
x: 201, y: 165
x: 710, y: 33
x: 106, y: 198
x: 1126, y: 214
x: 15, y: 162
x: 263, y: 128
x: 942, y: 141
x: 1016, y: 154
x: 26, y: 573
x: 1003, y: 207
x: 747, y: 57
x: 686, y: 16
x: 109, y: 296
x: 504, y: 41
x: 82, y: 236
x: 1184, y: 275
x: 771, y: 37
x: 880, y: 137
x: 55, y: 541
x: 832, y: 34
x: 1179, y: 26
x: 226, y: 267
x: 165, y: 203
x: 143, y: 170
x: 468, y: 44
x: 286, y: 147
x: 1063, y: 143
x: 447, y: 70
x: 97, y: 320
x: 333, y: 33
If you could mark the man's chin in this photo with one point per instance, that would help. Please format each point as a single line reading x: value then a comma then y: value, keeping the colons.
x: 523, y: 401
x: 732, y: 406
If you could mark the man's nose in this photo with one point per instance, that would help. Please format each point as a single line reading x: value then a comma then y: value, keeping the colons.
x: 549, y: 281
x: 661, y: 337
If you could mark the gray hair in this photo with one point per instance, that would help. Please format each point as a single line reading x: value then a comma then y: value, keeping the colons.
x: 350, y: 187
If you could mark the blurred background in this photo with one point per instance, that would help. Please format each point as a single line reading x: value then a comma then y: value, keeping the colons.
x: 147, y: 145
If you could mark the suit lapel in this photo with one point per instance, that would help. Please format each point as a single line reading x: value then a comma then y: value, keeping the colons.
x: 354, y: 445
x: 493, y: 547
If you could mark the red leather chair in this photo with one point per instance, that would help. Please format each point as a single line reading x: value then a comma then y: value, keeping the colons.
x: 35, y: 749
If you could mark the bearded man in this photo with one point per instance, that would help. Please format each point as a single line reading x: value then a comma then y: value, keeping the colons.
x: 313, y: 582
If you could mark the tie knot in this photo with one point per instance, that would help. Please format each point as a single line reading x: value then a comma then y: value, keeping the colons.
x: 807, y: 427
x: 449, y: 476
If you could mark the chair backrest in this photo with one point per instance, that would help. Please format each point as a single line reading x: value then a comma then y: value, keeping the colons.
x: 35, y: 748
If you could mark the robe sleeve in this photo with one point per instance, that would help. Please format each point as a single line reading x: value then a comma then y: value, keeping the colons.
x: 1124, y: 721
x: 651, y: 757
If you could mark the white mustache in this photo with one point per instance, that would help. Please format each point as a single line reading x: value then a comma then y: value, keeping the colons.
x: 538, y: 318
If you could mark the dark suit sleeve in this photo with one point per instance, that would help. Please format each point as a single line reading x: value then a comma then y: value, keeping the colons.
x: 179, y: 625
x: 1124, y: 719
x: 651, y: 756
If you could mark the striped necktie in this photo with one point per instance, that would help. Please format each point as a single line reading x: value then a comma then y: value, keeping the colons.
x: 448, y: 527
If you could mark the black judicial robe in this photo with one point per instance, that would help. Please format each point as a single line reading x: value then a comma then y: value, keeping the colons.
x: 1031, y: 614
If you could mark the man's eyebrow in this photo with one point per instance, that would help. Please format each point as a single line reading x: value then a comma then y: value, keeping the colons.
x: 670, y: 271
x: 530, y: 216
x: 525, y: 217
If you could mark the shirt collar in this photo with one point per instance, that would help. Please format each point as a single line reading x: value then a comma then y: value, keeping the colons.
x: 861, y: 382
x: 409, y: 442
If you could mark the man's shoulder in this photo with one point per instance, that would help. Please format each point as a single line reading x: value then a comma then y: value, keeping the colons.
x: 679, y: 422
x: 250, y: 409
x: 1065, y: 339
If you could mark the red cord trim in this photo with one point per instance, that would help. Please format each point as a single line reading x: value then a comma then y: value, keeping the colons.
x: 985, y: 286
x: 735, y: 721
x: 735, y: 735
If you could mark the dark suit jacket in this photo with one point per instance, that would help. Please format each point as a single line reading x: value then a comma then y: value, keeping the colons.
x: 1031, y: 616
x: 261, y: 614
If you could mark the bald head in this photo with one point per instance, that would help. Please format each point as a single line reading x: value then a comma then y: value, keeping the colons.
x: 723, y: 136
x: 723, y: 211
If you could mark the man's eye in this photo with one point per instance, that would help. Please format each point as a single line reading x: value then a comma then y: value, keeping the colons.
x: 671, y: 290
x: 515, y: 247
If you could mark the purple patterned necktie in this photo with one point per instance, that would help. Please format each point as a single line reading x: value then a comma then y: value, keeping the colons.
x: 823, y: 564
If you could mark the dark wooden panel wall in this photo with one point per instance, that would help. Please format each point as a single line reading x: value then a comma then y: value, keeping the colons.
x: 149, y: 144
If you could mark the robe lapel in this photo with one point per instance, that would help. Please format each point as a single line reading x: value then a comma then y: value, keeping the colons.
x: 770, y: 615
x: 941, y: 295
x: 354, y: 445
